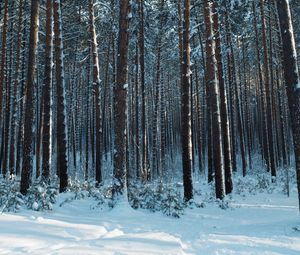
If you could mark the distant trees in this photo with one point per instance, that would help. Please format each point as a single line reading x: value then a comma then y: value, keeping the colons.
x: 189, y: 88
x: 15, y: 91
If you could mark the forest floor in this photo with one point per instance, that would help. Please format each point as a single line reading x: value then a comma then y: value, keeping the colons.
x: 253, y: 223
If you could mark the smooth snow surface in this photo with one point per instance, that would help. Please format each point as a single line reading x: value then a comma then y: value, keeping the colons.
x: 260, y: 224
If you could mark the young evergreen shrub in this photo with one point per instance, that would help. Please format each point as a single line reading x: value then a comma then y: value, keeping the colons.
x: 41, y: 195
x: 171, y: 203
x: 78, y: 188
x: 161, y: 198
x: 11, y: 199
x: 150, y: 199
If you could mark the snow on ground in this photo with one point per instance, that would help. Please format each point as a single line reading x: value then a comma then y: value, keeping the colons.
x: 260, y: 224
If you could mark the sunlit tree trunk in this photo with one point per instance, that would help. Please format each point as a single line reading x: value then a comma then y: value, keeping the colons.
x: 46, y: 135
x: 96, y: 87
x: 214, y: 97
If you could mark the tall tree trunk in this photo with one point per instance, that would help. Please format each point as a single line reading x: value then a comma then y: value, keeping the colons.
x: 3, y: 54
x: 261, y: 102
x: 267, y: 93
x: 96, y: 87
x: 120, y: 100
x: 46, y: 136
x: 214, y: 97
x: 224, y: 107
x: 145, y: 158
x: 291, y: 76
x: 231, y: 82
x: 62, y: 163
x: 12, y: 153
x: 186, y: 125
x: 29, y: 110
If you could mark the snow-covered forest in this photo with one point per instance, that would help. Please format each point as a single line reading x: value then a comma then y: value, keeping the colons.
x: 150, y: 127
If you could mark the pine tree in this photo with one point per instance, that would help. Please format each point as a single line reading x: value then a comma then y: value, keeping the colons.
x: 120, y: 100
x: 223, y: 103
x: 186, y: 128
x: 62, y: 161
x: 214, y: 101
x: 27, y: 164
x: 291, y: 76
x: 46, y: 135
x: 96, y: 87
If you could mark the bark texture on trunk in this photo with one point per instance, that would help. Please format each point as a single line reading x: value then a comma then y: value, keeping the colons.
x: 27, y: 166
x: 291, y: 76
x: 186, y: 122
x: 62, y: 160
x: 120, y: 100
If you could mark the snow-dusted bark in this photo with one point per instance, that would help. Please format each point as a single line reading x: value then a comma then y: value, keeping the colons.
x: 29, y: 109
x: 8, y: 92
x: 12, y: 150
x: 267, y: 94
x: 120, y: 100
x: 145, y: 158
x: 223, y: 102
x: 156, y: 166
x: 62, y: 161
x: 96, y: 87
x: 291, y: 76
x: 214, y: 101
x: 3, y: 53
x: 46, y: 136
x: 186, y: 122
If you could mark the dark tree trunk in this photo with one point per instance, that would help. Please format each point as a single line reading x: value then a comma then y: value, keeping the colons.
x: 224, y: 107
x: 96, y: 87
x: 62, y: 163
x: 214, y: 97
x: 267, y: 93
x: 145, y: 158
x: 3, y: 55
x: 186, y: 125
x: 120, y: 100
x: 12, y: 153
x: 291, y: 76
x: 29, y: 109
x: 46, y: 136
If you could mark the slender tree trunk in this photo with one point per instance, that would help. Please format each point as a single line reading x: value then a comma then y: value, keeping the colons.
x: 267, y: 93
x: 224, y: 107
x: 145, y: 158
x: 186, y: 125
x: 96, y: 87
x: 62, y: 163
x: 12, y: 153
x: 261, y: 101
x: 231, y: 82
x: 213, y: 89
x: 46, y: 135
x: 3, y: 54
